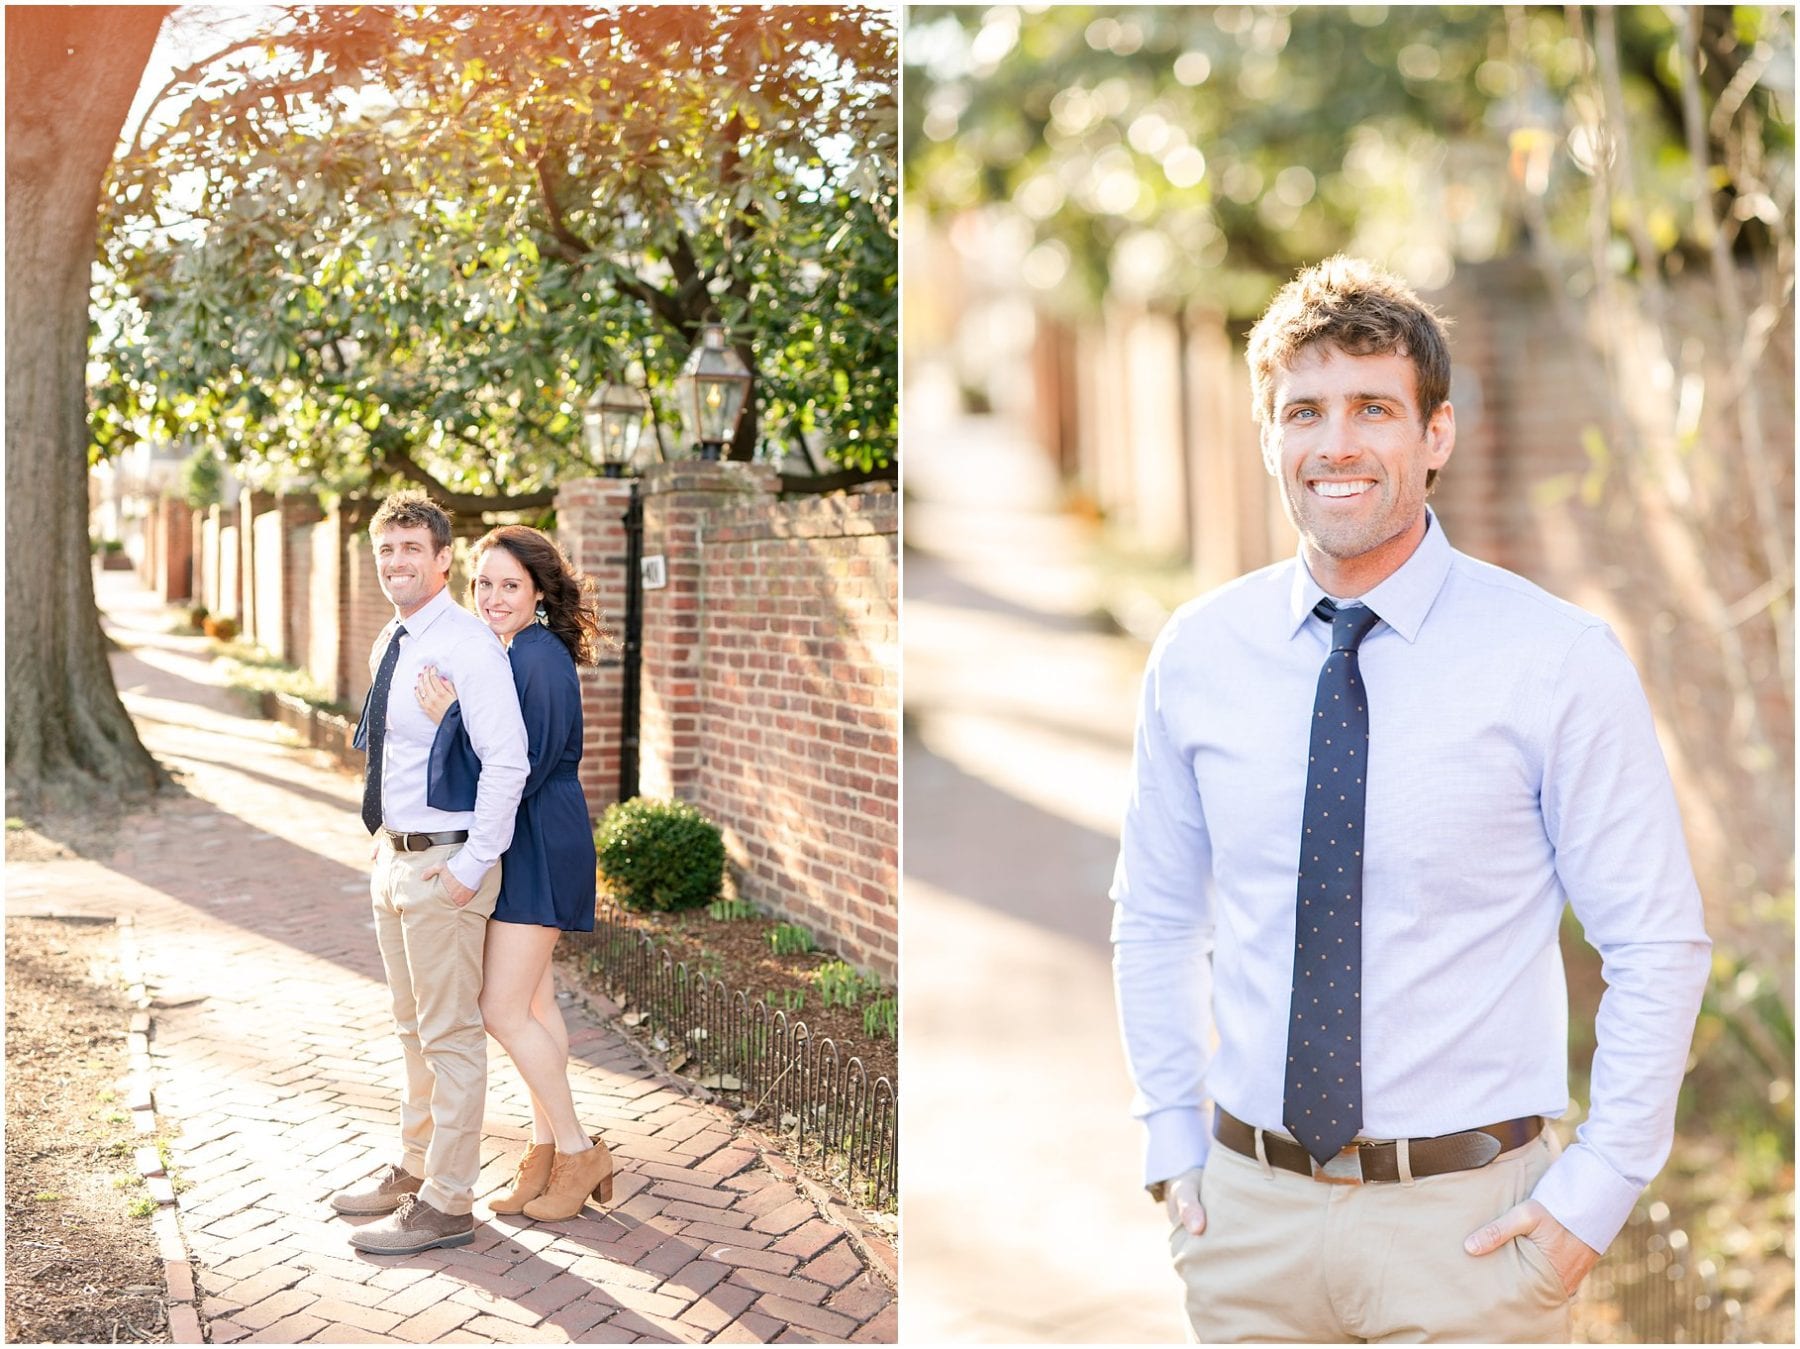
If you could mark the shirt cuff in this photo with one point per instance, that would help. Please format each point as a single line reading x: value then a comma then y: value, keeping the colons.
x: 470, y: 872
x: 1179, y: 1140
x: 1586, y: 1196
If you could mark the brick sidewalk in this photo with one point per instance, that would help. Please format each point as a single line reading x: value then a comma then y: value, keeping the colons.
x: 277, y: 1076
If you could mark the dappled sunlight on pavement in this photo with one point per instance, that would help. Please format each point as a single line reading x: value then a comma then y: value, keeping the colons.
x: 277, y: 1077
x: 1025, y: 1213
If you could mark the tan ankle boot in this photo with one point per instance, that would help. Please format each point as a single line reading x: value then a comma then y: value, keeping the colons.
x: 573, y: 1178
x: 529, y: 1180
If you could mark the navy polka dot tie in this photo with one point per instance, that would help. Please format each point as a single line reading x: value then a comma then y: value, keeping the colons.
x: 1323, y: 1105
x: 375, y: 720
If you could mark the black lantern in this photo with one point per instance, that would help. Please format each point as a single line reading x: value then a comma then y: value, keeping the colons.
x: 612, y: 425
x: 711, y: 390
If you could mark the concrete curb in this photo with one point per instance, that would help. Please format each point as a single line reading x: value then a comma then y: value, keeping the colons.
x: 180, y: 1302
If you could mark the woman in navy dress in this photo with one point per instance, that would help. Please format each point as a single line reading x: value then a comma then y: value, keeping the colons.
x: 543, y: 610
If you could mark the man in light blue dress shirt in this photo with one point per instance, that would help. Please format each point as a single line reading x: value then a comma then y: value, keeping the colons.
x: 435, y: 880
x: 1511, y: 767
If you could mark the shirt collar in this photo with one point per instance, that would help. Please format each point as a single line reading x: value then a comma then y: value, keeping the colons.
x: 426, y: 614
x: 1402, y: 600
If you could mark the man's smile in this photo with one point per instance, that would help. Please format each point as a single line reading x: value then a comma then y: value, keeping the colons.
x: 1340, y: 487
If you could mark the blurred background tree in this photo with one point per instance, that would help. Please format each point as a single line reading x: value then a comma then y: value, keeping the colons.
x: 378, y: 244
x: 1602, y: 200
x: 1199, y: 150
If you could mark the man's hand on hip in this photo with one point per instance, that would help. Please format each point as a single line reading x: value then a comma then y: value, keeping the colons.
x: 459, y: 893
x: 1182, y: 1199
x: 1571, y: 1257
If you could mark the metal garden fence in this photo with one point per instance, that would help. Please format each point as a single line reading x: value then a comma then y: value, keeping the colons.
x: 775, y: 1068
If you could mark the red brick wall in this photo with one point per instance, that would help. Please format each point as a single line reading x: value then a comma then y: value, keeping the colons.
x: 364, y: 609
x: 770, y: 674
x: 799, y: 711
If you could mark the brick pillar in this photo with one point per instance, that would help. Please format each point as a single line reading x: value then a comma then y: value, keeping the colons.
x: 199, y: 570
x: 252, y: 563
x: 324, y: 605
x: 174, y: 578
x: 150, y: 560
x: 590, y: 526
x: 677, y: 500
x: 221, y: 580
x: 294, y: 514
x: 362, y: 609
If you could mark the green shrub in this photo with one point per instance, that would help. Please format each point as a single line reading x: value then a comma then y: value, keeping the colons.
x: 659, y: 854
x: 197, y: 616
x: 201, y: 479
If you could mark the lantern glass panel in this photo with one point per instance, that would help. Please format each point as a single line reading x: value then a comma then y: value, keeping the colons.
x: 613, y: 424
x: 620, y: 432
x: 720, y: 400
x: 712, y: 388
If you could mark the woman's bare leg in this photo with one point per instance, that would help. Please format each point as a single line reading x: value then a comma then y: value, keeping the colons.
x: 545, y: 1011
x: 516, y: 964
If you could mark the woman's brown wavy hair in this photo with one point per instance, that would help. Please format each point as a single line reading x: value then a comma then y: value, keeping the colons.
x: 571, y: 611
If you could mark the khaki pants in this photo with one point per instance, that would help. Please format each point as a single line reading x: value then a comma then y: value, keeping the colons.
x: 432, y: 951
x: 1290, y: 1259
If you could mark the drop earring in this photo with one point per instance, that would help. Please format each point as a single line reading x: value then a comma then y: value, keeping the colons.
x: 543, y: 614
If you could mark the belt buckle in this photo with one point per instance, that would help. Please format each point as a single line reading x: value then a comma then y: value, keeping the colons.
x: 1343, y: 1169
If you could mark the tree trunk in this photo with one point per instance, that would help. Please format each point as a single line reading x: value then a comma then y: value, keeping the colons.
x: 71, y: 73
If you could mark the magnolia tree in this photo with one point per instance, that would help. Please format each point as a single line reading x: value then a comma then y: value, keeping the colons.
x: 386, y: 244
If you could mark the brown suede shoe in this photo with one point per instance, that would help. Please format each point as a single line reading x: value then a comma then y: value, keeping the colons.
x: 573, y: 1178
x: 528, y: 1181
x: 382, y: 1194
x: 415, y: 1226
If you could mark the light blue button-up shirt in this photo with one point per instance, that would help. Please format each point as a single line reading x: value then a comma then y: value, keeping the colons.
x: 1513, y: 767
x: 464, y: 651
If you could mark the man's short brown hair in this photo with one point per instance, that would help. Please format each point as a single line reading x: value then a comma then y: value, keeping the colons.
x: 1361, y: 310
x: 412, y: 509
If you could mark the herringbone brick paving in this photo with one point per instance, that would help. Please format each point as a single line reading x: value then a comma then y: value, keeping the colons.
x: 277, y: 1074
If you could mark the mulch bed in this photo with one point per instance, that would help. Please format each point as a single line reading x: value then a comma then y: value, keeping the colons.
x: 737, y: 952
x: 80, y: 1269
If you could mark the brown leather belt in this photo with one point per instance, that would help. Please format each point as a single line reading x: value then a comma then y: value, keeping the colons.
x: 1362, y: 1163
x: 420, y: 842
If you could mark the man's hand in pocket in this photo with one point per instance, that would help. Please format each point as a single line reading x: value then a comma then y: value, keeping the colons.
x: 459, y: 893
x: 1182, y: 1199
x: 1571, y: 1257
